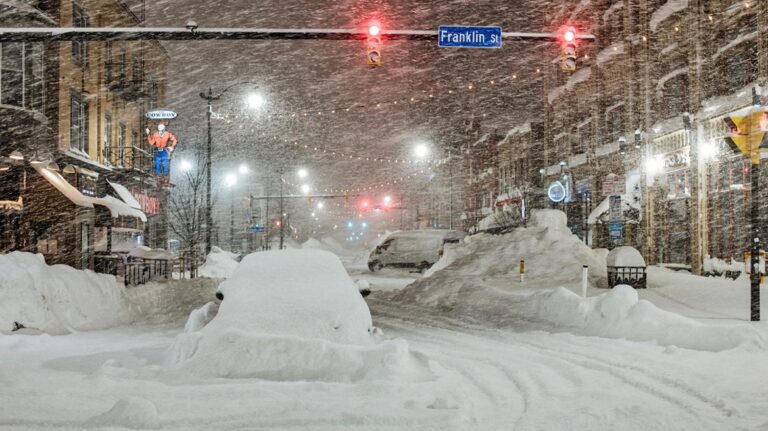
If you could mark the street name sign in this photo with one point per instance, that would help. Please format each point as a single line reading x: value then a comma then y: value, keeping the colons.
x: 468, y: 37
x: 614, y: 209
x: 256, y: 229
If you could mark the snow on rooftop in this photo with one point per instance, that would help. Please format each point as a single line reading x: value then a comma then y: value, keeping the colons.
x: 666, y: 10
x: 739, y: 40
x: 608, y: 53
x: 578, y: 77
x: 671, y: 75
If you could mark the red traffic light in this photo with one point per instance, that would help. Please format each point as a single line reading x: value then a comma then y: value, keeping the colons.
x: 567, y: 35
x: 374, y: 29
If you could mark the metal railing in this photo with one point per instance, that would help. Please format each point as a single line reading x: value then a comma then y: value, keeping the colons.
x: 135, y: 272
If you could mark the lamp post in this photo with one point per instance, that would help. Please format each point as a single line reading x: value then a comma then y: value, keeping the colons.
x: 231, y: 181
x: 254, y: 101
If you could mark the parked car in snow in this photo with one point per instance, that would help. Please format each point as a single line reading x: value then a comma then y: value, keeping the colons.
x: 412, y: 249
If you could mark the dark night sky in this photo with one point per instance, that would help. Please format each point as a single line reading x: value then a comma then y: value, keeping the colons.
x: 307, y: 76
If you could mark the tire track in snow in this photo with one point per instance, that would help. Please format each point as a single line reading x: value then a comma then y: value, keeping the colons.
x: 671, y: 391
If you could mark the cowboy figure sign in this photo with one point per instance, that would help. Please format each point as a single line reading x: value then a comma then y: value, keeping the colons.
x: 163, y: 143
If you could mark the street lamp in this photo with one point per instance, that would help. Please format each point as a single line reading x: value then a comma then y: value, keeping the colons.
x: 302, y: 173
x: 421, y: 151
x: 243, y: 169
x: 210, y: 98
x: 186, y: 165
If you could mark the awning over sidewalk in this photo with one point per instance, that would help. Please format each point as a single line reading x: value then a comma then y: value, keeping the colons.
x: 116, y: 207
x: 119, y: 208
x: 125, y: 195
x: 67, y: 189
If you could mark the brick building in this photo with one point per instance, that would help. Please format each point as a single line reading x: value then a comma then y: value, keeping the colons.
x: 75, y: 166
x: 660, y: 78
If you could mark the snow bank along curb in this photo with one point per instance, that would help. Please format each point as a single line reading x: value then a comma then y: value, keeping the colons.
x: 289, y: 315
x: 218, y: 264
x: 479, y: 278
x: 57, y: 299
x: 619, y: 313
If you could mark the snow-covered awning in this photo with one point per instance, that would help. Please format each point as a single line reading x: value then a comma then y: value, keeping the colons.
x: 125, y: 195
x: 67, y: 189
x: 119, y: 208
x: 116, y: 207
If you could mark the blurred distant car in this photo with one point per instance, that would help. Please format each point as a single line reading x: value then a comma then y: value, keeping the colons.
x: 412, y: 249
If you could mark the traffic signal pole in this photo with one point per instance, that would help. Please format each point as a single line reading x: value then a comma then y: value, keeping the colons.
x: 755, y: 275
x: 192, y: 32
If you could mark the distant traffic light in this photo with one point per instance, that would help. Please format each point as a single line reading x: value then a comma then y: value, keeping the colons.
x: 374, y: 45
x: 567, y: 49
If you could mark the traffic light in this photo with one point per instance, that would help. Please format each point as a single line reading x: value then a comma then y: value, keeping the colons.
x: 374, y: 45
x: 748, y: 134
x: 567, y: 49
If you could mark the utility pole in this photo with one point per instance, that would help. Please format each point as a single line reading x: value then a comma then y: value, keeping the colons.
x: 748, y: 135
x: 208, y: 210
x: 282, y: 218
x: 450, y: 189
x: 232, y: 220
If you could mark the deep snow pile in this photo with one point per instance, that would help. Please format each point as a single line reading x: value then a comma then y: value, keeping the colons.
x: 552, y: 254
x: 290, y: 315
x: 479, y: 279
x: 218, y: 264
x: 58, y: 298
x: 619, y: 313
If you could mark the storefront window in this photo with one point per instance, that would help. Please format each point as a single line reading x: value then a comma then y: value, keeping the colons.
x: 12, y: 74
x: 79, y: 124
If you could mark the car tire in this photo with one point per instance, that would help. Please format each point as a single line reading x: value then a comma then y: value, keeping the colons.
x: 375, y: 266
x: 423, y: 266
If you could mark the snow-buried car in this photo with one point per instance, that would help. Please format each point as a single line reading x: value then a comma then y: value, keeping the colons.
x: 291, y: 315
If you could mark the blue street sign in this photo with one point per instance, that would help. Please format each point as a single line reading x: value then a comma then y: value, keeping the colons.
x: 256, y: 229
x: 615, y: 231
x: 468, y: 37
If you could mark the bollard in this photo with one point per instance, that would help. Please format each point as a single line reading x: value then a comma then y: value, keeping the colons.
x: 522, y: 271
x: 584, y: 272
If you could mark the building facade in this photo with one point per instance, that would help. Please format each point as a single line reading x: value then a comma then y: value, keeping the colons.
x: 76, y: 167
x: 647, y: 104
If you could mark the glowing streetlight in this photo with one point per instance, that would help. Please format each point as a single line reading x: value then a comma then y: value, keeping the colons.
x: 305, y: 189
x: 231, y: 180
x: 256, y: 100
x: 320, y: 205
x: 421, y: 151
x: 186, y: 165
x: 243, y: 169
x: 302, y: 173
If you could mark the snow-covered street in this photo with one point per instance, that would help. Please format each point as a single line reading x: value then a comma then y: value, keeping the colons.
x: 488, y: 379
x: 290, y: 344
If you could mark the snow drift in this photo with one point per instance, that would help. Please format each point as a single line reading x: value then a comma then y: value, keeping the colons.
x: 479, y: 279
x: 619, y: 313
x: 290, y: 315
x: 553, y: 256
x: 57, y: 299
x: 218, y: 264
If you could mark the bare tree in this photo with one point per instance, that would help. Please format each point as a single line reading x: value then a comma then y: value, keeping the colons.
x: 187, y: 205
